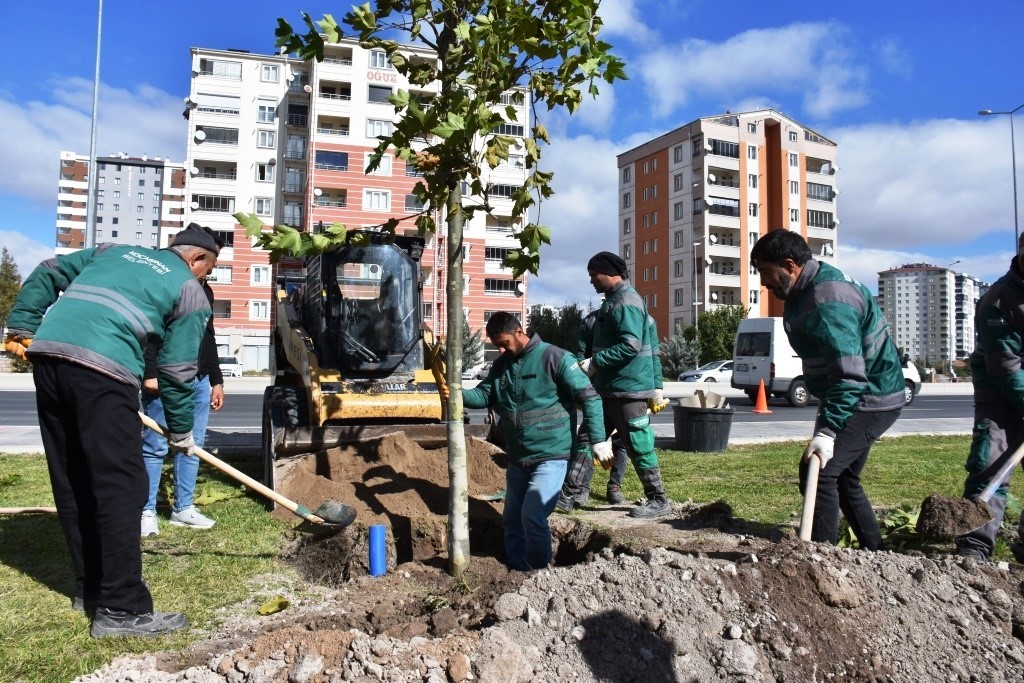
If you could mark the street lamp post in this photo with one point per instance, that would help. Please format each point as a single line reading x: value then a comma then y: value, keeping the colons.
x: 950, y: 350
x: 1013, y: 161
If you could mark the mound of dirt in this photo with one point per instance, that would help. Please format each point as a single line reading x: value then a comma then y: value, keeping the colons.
x: 698, y: 596
x: 943, y: 517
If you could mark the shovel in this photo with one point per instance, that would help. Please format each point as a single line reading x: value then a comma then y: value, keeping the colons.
x: 810, y: 493
x: 330, y: 516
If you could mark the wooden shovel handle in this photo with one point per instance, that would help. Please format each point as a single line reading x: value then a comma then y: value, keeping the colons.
x: 810, y: 493
x: 227, y: 469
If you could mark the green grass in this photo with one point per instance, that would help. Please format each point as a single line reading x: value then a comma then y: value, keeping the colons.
x: 200, y: 572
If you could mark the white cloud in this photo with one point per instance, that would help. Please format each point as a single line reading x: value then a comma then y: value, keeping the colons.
x: 864, y: 264
x: 27, y: 253
x: 597, y: 113
x: 144, y: 120
x: 893, y: 57
x: 622, y: 18
x: 808, y: 59
x: 937, y: 182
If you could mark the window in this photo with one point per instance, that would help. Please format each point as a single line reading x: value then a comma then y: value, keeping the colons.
x: 753, y: 296
x: 217, y: 104
x: 140, y: 196
x: 259, y: 275
x: 379, y: 94
x: 677, y: 154
x: 820, y: 219
x: 679, y: 211
x: 502, y: 190
x: 264, y: 173
x: 680, y: 239
x: 102, y: 180
x: 496, y: 255
x: 752, y: 180
x: 794, y: 160
x: 379, y: 60
x: 752, y: 209
x: 266, y: 112
x: 331, y: 161
x: 696, y: 147
x: 219, y: 136
x: 216, y: 203
x: 751, y: 127
x: 156, y: 224
x: 292, y: 213
x: 113, y: 233
x: 220, y: 68
x: 647, y: 220
x: 114, y: 221
x: 751, y: 152
x: 647, y: 250
x: 142, y: 182
x: 627, y: 251
x: 153, y: 236
x: 385, y: 166
x: 265, y: 138
x: 221, y: 275
x: 270, y: 73
x: 99, y: 206
x: 654, y: 191
x: 680, y: 268
x: 794, y: 215
x: 647, y: 168
x: 654, y: 246
x: 376, y: 200
x: 157, y: 183
x: 794, y: 187
x: 627, y: 226
x: 627, y: 200
x: 264, y: 206
x: 99, y: 193
x: 677, y: 181
x: 117, y: 207
x: 117, y: 181
x: 499, y: 286
x: 513, y: 129
x: 680, y: 297
x: 820, y: 192
x: 117, y: 193
x: 413, y: 204
x: 792, y: 136
x: 156, y: 197
x: 654, y: 164
x: 723, y: 148
x: 698, y: 205
x: 376, y: 128
x: 296, y: 147
x: 259, y: 310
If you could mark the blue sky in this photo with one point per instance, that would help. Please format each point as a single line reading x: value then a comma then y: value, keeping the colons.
x: 897, y: 84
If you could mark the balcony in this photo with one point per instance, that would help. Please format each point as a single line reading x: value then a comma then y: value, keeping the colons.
x: 301, y: 120
x: 333, y: 126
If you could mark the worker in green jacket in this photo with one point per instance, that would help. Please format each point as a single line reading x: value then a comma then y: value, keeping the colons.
x: 850, y: 363
x: 623, y: 370
x: 83, y: 319
x: 535, y: 387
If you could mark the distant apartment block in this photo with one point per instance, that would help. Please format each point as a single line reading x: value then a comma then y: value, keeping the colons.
x: 930, y: 310
x: 139, y: 200
x: 289, y: 140
x: 693, y: 201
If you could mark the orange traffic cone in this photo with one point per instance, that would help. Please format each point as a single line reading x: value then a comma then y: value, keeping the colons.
x: 761, y: 406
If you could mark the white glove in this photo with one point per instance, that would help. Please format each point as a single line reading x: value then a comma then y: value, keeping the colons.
x: 182, y: 443
x: 587, y: 366
x: 821, y: 445
x: 603, y: 452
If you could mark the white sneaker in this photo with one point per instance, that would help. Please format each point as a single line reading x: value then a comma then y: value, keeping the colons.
x: 149, y: 525
x: 192, y: 517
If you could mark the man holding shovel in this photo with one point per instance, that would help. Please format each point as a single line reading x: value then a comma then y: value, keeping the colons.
x: 850, y: 364
x: 998, y: 403
x: 101, y: 305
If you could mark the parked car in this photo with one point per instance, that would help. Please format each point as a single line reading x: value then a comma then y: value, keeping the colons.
x: 470, y: 373
x: 482, y: 373
x: 230, y: 366
x: 715, y: 371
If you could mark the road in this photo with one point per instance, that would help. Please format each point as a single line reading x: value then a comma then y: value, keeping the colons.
x: 938, y: 410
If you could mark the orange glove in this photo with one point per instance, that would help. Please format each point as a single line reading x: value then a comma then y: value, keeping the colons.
x: 443, y: 389
x: 17, y: 345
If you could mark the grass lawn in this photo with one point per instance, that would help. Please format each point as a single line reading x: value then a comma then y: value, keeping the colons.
x: 198, y: 572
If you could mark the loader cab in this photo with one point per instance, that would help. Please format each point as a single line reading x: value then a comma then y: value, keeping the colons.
x: 371, y: 289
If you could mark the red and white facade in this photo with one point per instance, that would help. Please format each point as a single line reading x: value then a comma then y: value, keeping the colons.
x: 289, y: 140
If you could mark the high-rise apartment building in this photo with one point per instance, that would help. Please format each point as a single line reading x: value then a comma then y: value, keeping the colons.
x: 138, y: 200
x: 693, y: 201
x: 288, y: 140
x: 930, y: 311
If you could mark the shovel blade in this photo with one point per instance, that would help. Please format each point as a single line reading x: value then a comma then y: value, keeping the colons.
x: 945, y: 517
x: 336, y: 516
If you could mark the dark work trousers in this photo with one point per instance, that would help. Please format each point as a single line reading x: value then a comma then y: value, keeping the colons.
x: 93, y: 442
x: 839, y: 485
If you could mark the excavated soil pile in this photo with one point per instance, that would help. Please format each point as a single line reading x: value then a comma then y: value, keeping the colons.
x: 392, y: 480
x: 695, y: 597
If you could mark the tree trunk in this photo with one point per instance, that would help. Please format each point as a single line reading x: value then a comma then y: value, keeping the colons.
x: 458, y: 477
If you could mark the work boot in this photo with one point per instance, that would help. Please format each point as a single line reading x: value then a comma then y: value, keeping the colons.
x: 564, y: 504
x: 112, y: 622
x: 81, y: 603
x: 582, y: 498
x: 192, y: 517
x: 657, y: 504
x: 149, y: 524
x: 976, y: 554
x: 614, y: 495
x: 1018, y: 551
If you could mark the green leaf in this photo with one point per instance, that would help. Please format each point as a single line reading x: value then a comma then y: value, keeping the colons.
x: 462, y: 31
x: 274, y: 605
x: 400, y: 99
x: 251, y: 222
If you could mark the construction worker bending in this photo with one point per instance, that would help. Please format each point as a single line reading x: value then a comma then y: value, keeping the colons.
x: 621, y: 368
x: 87, y: 362
x: 850, y: 363
x: 998, y: 403
x: 535, y: 388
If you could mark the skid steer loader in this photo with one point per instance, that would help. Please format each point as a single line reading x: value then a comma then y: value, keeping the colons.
x: 350, y: 357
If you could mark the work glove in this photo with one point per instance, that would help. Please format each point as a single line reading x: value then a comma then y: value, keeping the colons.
x: 658, y: 403
x: 603, y: 453
x: 182, y: 443
x: 588, y: 367
x: 17, y: 344
x: 444, y: 391
x: 821, y: 445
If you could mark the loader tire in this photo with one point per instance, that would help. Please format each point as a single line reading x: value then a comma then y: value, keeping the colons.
x: 294, y: 408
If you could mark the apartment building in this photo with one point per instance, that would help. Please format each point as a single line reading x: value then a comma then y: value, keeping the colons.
x: 289, y: 140
x: 693, y: 201
x: 138, y: 200
x: 930, y: 311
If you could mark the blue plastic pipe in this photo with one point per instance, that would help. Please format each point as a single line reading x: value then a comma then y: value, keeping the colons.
x: 378, y: 552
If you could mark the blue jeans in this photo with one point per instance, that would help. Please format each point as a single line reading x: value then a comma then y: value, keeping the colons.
x: 531, y: 492
x: 154, y: 447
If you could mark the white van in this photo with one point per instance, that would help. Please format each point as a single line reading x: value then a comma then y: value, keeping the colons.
x: 762, y: 352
